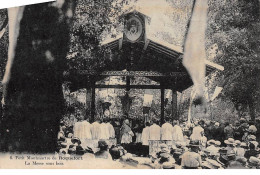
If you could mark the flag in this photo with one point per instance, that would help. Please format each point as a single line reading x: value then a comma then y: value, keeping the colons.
x: 194, y: 46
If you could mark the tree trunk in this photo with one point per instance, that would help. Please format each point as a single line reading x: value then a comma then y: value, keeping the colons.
x: 34, y: 98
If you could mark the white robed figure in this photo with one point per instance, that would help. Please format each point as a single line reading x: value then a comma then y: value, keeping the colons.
x: 78, y: 130
x: 177, y: 134
x: 96, y: 130
x: 86, y: 130
x: 197, y: 133
x: 167, y: 131
x: 155, y: 132
x: 104, y: 131
x: 111, y: 130
x: 145, y: 135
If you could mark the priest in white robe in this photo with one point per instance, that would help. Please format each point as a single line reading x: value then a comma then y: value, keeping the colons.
x: 111, y: 130
x: 167, y: 130
x: 86, y: 130
x: 177, y: 133
x: 78, y: 130
x: 146, y: 135
x: 96, y: 130
x: 155, y: 131
x: 104, y: 132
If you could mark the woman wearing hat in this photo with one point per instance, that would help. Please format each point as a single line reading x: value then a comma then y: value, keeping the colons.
x: 230, y: 142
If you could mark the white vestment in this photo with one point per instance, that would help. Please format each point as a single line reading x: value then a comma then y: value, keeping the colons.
x: 95, y: 130
x: 86, y: 130
x: 197, y: 133
x: 104, y: 132
x: 77, y: 130
x: 166, y: 131
x: 145, y: 135
x: 155, y: 132
x: 177, y: 134
x: 111, y: 130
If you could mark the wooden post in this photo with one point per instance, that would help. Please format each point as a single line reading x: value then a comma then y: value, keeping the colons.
x: 162, y: 105
x: 93, y: 100
x: 127, y: 91
x: 174, y: 106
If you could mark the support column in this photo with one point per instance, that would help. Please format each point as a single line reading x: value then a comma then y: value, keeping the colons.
x: 93, y: 107
x: 162, y: 105
x: 174, y: 106
x: 127, y: 92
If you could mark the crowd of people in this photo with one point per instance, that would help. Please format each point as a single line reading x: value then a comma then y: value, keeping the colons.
x: 201, y: 144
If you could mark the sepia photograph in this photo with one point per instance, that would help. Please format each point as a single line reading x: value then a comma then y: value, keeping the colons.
x: 130, y: 84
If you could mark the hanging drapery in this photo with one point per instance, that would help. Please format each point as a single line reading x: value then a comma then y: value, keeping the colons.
x: 194, y: 48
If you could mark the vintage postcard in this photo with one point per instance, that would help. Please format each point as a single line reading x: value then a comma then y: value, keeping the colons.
x: 130, y: 84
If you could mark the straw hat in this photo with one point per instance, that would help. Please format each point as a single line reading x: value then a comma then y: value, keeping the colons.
x: 229, y: 141
x: 211, y: 142
x: 252, y: 129
x: 255, y: 161
x: 243, y: 144
x: 252, y: 137
x: 218, y: 143
x: 237, y: 142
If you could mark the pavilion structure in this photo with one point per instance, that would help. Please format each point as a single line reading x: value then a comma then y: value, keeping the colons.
x: 136, y: 55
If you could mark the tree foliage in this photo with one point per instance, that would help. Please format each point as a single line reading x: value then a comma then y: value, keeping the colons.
x: 94, y: 21
x: 234, y: 26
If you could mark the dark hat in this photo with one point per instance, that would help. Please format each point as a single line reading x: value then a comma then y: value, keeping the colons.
x: 194, y: 144
x: 80, y: 150
x: 63, y: 145
x: 102, y: 144
x: 222, y: 151
x: 72, y: 151
x: 76, y: 140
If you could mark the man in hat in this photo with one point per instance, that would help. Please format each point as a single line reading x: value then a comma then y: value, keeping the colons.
x: 166, y: 130
x: 191, y: 159
x: 223, y: 159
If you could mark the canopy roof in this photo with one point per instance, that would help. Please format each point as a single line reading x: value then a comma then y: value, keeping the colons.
x: 147, y: 57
